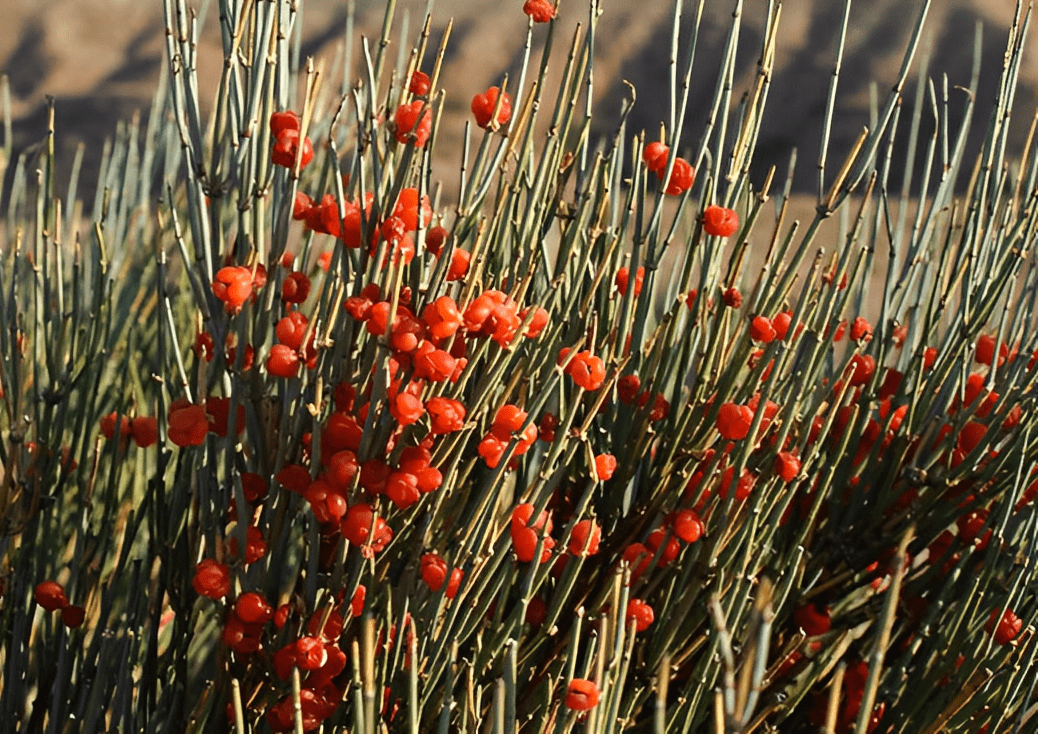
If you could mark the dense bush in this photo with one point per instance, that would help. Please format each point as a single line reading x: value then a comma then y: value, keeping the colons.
x: 593, y: 441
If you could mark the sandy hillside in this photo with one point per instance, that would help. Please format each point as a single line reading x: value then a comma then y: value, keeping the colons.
x: 100, y: 59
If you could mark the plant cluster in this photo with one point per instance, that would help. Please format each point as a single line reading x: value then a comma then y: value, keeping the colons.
x: 313, y: 446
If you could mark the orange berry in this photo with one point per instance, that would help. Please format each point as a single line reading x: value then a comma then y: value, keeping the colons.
x: 720, y: 222
x: 581, y: 695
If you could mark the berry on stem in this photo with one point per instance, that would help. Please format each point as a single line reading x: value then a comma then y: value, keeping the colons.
x: 51, y: 596
x: 540, y: 11
x: 581, y: 695
x: 720, y: 222
x: 413, y: 123
x: 483, y: 108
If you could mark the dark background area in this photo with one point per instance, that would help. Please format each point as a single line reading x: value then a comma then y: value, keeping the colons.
x: 101, y: 60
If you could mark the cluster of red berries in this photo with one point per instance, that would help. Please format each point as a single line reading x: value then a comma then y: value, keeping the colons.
x: 682, y: 176
x: 188, y: 423
x: 50, y: 595
x: 765, y: 330
x: 315, y: 651
x: 496, y: 315
x: 662, y: 546
x: 324, y: 217
x: 507, y: 424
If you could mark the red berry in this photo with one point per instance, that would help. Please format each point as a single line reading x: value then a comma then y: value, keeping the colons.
x: 584, y: 541
x: 687, y: 525
x: 862, y: 367
x: 525, y: 535
x: 433, y: 571
x: 733, y: 421
x: 536, y: 612
x: 362, y: 527
x: 1008, y: 626
x: 985, y: 352
x: 284, y: 120
x: 281, y: 617
x: 406, y: 408
x: 546, y: 427
x: 233, y: 285
x: 446, y: 415
x: 655, y: 156
x: 459, y: 266
x: 581, y: 695
x: 641, y: 613
x: 861, y: 330
x: 483, y: 108
x: 252, y: 608
x: 813, y: 619
x: 283, y: 361
x: 435, y: 238
x: 787, y: 465
x: 310, y: 653
x: 111, y: 421
x: 720, y: 222
x: 587, y: 370
x: 454, y: 583
x: 188, y: 423
x: 762, y: 330
x: 671, y: 546
x: 218, y: 410
x: 540, y: 11
x: 357, y: 602
x: 419, y: 83
x: 970, y: 436
x: 286, y: 148
x: 295, y: 288
x: 408, y: 208
x: 72, y: 615
x: 782, y: 322
x: 51, y: 596
x: 402, y: 489
x: 301, y: 207
x: 212, y: 579
x: 638, y: 557
x: 204, y: 346
x: 413, y: 123
x: 682, y: 177
x: 605, y: 465
x: 255, y: 546
x: 623, y: 275
x: 537, y: 323
x: 145, y: 431
x: 291, y: 330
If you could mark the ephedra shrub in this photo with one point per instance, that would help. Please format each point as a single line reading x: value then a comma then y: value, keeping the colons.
x: 602, y: 439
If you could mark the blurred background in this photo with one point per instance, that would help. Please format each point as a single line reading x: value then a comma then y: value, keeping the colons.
x: 101, y: 59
